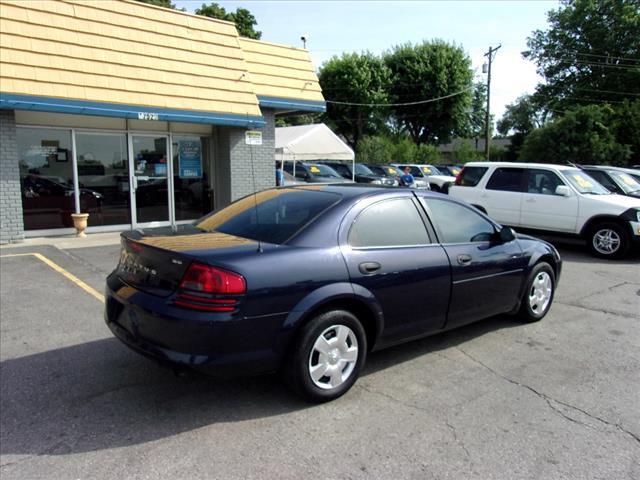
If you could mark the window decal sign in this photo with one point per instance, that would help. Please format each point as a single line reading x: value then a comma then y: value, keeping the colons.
x: 314, y: 169
x: 582, y: 181
x: 190, y: 159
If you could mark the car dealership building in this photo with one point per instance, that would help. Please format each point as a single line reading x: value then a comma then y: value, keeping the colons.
x: 138, y: 115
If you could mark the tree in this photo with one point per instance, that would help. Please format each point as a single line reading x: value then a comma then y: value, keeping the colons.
x: 355, y: 79
x: 589, y: 54
x: 582, y: 136
x: 626, y: 127
x: 426, y: 71
x: 474, y: 125
x: 375, y: 149
x: 243, y: 18
x: 519, y: 119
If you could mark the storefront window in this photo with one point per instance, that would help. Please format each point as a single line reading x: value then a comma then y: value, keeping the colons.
x: 46, y: 176
x: 103, y: 178
x: 191, y: 177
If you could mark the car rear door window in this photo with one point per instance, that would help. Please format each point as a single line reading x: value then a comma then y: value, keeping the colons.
x: 471, y: 176
x: 456, y: 223
x: 543, y: 182
x: 389, y: 223
x: 506, y: 179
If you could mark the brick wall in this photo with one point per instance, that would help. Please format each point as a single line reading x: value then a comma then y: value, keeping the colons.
x: 259, y: 159
x: 11, y: 225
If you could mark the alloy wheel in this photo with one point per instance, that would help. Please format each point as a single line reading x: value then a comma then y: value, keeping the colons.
x: 606, y: 241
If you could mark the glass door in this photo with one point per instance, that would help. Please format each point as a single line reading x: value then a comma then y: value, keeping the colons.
x: 149, y: 179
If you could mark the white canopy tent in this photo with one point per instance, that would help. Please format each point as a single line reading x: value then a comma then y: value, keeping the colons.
x: 310, y: 143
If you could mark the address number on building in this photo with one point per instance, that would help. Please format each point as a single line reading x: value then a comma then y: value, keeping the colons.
x: 147, y: 116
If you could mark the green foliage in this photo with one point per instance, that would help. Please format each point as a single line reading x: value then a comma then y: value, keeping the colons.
x: 243, y: 18
x: 520, y: 117
x: 582, y: 135
x: 427, y: 154
x: 476, y: 116
x: 293, y: 120
x: 589, y: 54
x: 429, y: 70
x: 375, y: 149
x: 464, y: 152
x: 355, y: 78
x: 626, y: 126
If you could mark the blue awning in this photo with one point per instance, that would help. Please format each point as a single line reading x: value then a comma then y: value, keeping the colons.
x: 292, y: 104
x: 81, y: 107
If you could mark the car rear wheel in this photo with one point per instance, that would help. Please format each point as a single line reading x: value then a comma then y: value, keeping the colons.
x: 328, y: 356
x: 608, y: 240
x: 538, y: 296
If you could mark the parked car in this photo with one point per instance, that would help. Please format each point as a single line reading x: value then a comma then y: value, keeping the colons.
x: 313, y: 172
x: 327, y: 275
x: 420, y: 179
x: 616, y: 180
x: 434, y: 177
x: 449, y: 169
x: 559, y: 199
x: 387, y: 170
x: 362, y: 174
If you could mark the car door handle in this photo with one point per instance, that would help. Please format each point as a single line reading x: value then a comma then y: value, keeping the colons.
x: 464, y: 259
x: 530, y: 200
x: 367, y: 268
x: 484, y: 195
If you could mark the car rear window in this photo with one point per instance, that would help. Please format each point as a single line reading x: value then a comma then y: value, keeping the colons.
x: 272, y: 216
x: 471, y: 176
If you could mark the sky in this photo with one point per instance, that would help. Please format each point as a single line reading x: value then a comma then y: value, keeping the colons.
x: 334, y: 27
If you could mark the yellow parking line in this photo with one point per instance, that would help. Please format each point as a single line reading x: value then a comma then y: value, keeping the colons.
x: 90, y: 290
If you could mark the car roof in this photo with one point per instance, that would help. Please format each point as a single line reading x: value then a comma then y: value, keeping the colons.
x: 520, y: 165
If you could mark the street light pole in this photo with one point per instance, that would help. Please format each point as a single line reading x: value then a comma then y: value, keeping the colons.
x: 489, y: 55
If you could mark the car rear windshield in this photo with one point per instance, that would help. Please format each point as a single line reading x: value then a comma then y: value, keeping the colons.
x: 272, y: 216
x: 471, y: 176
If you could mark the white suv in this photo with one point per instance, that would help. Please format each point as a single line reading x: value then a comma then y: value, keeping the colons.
x: 553, y: 198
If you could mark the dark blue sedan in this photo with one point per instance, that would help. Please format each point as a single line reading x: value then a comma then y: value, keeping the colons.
x: 309, y: 279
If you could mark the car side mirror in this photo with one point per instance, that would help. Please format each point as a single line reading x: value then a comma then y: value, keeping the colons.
x: 507, y: 235
x: 563, y: 191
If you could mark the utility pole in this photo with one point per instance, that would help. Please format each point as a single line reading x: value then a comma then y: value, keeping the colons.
x: 490, y: 54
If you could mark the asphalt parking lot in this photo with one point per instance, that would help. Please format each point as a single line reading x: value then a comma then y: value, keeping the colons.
x: 494, y: 400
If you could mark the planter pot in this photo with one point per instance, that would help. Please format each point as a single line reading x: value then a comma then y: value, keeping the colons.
x: 80, y: 223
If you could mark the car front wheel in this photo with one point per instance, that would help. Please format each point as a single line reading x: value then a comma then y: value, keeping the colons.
x: 328, y: 356
x: 539, y: 293
x: 608, y: 240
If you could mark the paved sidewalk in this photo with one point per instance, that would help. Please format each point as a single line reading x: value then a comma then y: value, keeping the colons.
x: 65, y: 242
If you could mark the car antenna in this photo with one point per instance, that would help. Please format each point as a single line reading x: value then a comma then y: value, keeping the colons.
x: 255, y: 193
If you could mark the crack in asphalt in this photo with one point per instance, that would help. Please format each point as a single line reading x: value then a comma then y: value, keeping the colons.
x: 460, y: 443
x: 549, y: 401
x: 600, y: 310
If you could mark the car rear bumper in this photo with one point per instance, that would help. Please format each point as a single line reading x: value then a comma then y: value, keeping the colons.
x: 221, y: 344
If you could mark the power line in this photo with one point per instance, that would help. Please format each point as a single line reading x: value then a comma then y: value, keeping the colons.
x: 419, y: 102
x: 612, y: 57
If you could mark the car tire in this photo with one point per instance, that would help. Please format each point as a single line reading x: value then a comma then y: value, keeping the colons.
x: 608, y: 240
x: 538, y: 294
x: 445, y: 188
x: 433, y: 187
x: 327, y: 356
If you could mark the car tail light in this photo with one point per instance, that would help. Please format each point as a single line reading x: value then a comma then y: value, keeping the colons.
x: 205, y: 279
x: 201, y: 281
x: 459, y: 176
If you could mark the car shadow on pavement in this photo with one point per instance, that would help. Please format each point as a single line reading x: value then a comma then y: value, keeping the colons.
x: 99, y: 395
x: 577, y: 251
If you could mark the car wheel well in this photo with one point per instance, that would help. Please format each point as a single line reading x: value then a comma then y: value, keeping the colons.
x: 592, y: 222
x: 356, y: 307
x: 548, y: 258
